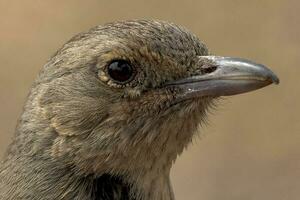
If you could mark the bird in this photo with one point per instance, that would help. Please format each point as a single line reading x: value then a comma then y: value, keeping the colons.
x: 114, y: 107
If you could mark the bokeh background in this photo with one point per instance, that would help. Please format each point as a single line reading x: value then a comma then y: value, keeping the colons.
x: 251, y: 148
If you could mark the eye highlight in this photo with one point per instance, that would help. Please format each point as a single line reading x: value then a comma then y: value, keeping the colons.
x: 120, y: 71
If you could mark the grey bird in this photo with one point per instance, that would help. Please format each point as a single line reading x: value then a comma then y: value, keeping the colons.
x: 113, y: 108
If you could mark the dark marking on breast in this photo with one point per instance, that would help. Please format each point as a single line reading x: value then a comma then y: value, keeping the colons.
x: 108, y: 187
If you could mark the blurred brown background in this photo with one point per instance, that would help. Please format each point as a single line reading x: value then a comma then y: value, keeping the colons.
x: 250, y: 150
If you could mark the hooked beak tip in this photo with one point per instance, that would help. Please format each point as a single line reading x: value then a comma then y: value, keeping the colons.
x: 274, y: 79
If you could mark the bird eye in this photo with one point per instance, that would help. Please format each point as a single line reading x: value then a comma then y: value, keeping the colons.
x: 120, y: 71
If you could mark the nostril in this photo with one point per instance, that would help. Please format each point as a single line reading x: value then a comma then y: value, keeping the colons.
x: 208, y: 69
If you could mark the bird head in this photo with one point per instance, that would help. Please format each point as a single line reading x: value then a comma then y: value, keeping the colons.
x: 128, y: 96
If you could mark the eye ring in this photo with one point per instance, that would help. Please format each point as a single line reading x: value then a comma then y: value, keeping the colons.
x: 121, y: 71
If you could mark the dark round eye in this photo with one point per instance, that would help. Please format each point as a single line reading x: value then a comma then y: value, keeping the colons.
x: 120, y: 71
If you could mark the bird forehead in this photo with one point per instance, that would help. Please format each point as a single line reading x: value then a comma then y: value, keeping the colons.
x: 157, y: 36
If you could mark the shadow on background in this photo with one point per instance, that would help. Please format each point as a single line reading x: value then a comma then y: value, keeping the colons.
x: 251, y: 148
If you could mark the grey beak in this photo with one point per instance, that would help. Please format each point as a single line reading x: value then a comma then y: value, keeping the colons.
x: 229, y: 76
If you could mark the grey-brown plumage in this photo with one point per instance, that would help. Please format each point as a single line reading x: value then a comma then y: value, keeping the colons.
x: 113, y: 108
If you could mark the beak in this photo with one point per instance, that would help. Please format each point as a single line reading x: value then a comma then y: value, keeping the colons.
x: 224, y: 76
